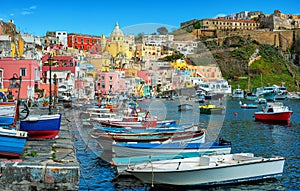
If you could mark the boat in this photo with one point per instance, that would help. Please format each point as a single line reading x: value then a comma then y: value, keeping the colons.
x: 274, y: 111
x: 248, y: 106
x: 238, y: 93
x: 107, y: 139
x: 268, y: 92
x: 208, y: 170
x: 7, y: 113
x: 12, y: 142
x: 251, y: 96
x: 122, y: 163
x: 213, y: 96
x: 281, y: 93
x: 211, y: 109
x: 41, y: 126
x: 185, y: 107
x: 138, y: 149
x: 152, y: 123
x: 216, y: 87
x: 261, y: 100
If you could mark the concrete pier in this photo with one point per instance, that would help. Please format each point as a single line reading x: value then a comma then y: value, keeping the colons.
x: 48, y: 164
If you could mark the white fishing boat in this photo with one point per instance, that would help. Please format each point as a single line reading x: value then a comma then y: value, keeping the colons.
x: 238, y: 93
x: 217, y: 87
x: 208, y: 170
x: 138, y: 149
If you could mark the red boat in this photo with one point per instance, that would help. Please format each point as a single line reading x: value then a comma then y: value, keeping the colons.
x: 274, y: 112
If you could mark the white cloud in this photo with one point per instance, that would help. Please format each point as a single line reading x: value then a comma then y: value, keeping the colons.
x: 26, y: 13
x: 32, y: 7
x: 220, y: 15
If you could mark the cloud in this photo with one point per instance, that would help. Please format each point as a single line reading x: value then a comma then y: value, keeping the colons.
x: 24, y: 11
x: 32, y: 7
x: 220, y: 15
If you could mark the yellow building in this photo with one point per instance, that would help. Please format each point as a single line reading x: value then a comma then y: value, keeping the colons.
x: 117, y: 47
x: 179, y: 64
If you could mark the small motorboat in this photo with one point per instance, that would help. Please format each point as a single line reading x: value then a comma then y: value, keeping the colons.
x: 185, y: 107
x: 248, y: 106
x: 274, y: 111
x: 211, y: 109
x: 208, y: 170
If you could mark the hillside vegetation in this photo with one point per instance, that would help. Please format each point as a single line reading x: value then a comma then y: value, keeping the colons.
x: 270, y: 69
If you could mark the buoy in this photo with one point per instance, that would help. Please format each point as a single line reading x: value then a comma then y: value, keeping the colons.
x: 235, y: 113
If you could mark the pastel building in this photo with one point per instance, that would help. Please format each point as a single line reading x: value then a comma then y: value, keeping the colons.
x: 28, y: 69
x: 110, y: 82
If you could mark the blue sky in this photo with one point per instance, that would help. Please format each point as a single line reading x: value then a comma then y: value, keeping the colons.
x: 97, y: 17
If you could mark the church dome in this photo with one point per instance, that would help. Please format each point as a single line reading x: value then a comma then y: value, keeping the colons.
x: 117, y: 31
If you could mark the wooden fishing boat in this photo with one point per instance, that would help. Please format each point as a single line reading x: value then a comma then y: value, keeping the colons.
x: 41, y: 126
x: 122, y: 163
x: 7, y: 113
x: 138, y: 149
x: 107, y: 139
x: 208, y: 170
x: 143, y: 124
x: 12, y: 142
x: 274, y: 111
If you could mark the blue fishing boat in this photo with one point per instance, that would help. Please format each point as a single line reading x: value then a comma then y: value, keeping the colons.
x: 41, y: 126
x: 7, y: 113
x: 139, y: 149
x: 12, y: 142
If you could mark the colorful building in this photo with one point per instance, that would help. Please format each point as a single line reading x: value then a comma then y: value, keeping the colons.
x: 84, y: 42
x: 28, y: 69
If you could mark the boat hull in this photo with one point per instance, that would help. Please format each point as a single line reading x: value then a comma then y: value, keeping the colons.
x: 7, y: 113
x: 211, y: 110
x: 127, y: 150
x: 42, y: 127
x: 280, y: 116
x: 11, y: 144
x: 197, y: 175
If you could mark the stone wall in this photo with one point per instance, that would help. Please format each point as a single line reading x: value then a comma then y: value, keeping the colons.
x: 283, y: 39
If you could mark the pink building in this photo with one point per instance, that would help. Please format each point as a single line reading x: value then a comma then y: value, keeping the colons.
x: 144, y: 74
x: 28, y: 69
x: 109, y: 82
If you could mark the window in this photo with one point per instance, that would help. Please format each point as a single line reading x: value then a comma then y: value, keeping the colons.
x: 102, y: 77
x: 22, y: 71
x: 110, y: 78
x: 103, y: 85
x: 110, y: 87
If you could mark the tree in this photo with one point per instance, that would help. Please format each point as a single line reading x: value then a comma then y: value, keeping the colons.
x: 139, y: 38
x: 162, y: 30
x: 197, y: 25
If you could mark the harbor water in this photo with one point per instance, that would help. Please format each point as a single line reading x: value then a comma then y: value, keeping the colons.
x: 236, y: 125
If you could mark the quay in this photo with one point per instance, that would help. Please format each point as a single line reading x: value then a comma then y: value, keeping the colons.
x: 48, y: 164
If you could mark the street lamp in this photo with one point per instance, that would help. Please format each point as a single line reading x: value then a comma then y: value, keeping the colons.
x: 15, y: 84
x: 50, y: 61
x: 55, y: 89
